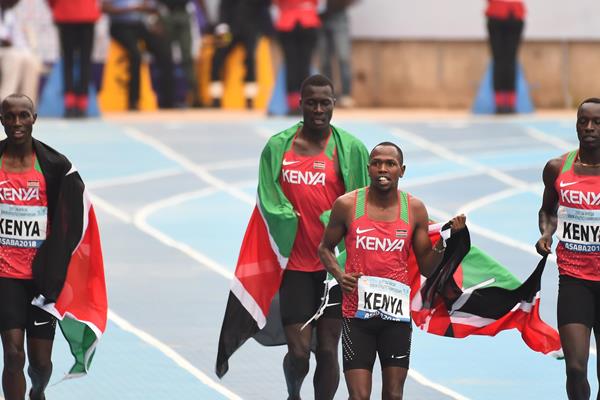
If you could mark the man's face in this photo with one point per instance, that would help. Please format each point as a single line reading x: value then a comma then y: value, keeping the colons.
x: 317, y: 105
x: 385, y: 168
x: 588, y: 125
x: 18, y: 119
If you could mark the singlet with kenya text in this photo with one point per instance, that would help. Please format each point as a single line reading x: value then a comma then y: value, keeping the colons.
x: 311, y: 184
x: 578, y: 228
x: 377, y: 248
x: 23, y: 219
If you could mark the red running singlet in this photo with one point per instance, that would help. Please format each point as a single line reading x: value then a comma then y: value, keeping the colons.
x: 578, y: 227
x: 23, y: 220
x: 377, y: 248
x: 311, y: 184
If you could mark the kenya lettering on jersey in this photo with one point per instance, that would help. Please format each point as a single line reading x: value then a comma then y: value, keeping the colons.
x: 311, y: 184
x: 578, y: 225
x: 23, y: 220
x: 378, y: 249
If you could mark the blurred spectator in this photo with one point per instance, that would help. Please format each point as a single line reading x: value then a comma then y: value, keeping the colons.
x: 334, y: 41
x: 297, y: 22
x: 239, y: 23
x: 179, y: 29
x: 20, y: 69
x: 75, y: 20
x: 135, y: 21
x: 505, y: 21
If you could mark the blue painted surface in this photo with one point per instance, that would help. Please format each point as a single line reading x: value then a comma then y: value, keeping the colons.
x: 485, y: 102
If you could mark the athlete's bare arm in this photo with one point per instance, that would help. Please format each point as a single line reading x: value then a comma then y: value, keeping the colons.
x: 547, y: 219
x: 428, y: 257
x: 334, y: 233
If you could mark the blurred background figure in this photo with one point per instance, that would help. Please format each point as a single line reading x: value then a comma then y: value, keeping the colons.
x: 20, y: 68
x: 335, y: 44
x: 505, y: 21
x: 75, y: 21
x: 135, y: 22
x: 298, y: 23
x: 239, y: 23
x: 178, y: 25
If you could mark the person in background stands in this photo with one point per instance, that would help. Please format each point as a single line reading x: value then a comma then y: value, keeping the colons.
x: 298, y: 25
x: 75, y: 20
x: 20, y: 68
x: 505, y: 21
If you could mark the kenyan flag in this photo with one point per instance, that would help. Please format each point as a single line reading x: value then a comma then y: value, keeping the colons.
x: 82, y: 307
x: 470, y: 293
x: 268, y: 242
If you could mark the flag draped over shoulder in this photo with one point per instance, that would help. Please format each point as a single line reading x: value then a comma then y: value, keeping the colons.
x: 68, y: 269
x: 470, y: 293
x: 270, y: 237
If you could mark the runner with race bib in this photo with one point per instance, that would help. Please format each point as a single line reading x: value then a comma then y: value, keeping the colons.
x: 381, y: 226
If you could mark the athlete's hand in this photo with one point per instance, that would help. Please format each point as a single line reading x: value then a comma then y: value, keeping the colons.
x: 458, y: 223
x: 348, y: 282
x: 544, y: 245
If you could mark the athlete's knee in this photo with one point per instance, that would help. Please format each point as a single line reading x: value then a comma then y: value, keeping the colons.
x: 395, y: 393
x: 576, y: 373
x: 326, y: 355
x: 359, y: 393
x: 40, y: 365
x: 14, y: 358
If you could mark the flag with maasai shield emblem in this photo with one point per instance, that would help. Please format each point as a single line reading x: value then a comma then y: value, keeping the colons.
x: 269, y: 240
x: 470, y: 293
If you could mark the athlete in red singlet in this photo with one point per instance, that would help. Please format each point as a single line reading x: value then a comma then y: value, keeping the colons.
x: 311, y: 179
x: 571, y: 208
x: 381, y: 226
x: 23, y: 228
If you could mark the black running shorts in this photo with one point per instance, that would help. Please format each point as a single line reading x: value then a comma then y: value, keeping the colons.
x: 17, y: 312
x: 578, y: 302
x: 300, y: 296
x: 363, y: 339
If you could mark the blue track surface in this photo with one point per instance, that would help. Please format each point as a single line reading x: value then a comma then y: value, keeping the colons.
x: 173, y: 200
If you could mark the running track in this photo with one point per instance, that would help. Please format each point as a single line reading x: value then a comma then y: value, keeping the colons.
x: 173, y: 194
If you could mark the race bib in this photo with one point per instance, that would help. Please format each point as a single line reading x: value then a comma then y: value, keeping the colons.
x: 23, y: 226
x: 578, y: 229
x: 383, y: 297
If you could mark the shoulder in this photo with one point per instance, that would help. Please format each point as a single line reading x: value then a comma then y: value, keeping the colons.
x: 553, y: 167
x: 50, y: 157
x: 417, y: 207
x: 346, y: 137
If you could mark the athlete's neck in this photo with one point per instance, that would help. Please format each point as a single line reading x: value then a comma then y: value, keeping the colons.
x: 382, y: 199
x: 316, y: 136
x: 17, y: 156
x: 589, y: 157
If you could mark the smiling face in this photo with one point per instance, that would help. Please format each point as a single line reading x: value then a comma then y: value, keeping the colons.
x: 18, y: 118
x: 385, y: 168
x: 317, y: 105
x: 588, y: 125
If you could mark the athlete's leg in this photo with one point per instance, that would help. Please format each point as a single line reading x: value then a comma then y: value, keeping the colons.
x: 393, y: 383
x: 39, y: 352
x: 296, y: 361
x: 359, y: 383
x: 575, y: 340
x: 13, y: 379
x: 327, y: 373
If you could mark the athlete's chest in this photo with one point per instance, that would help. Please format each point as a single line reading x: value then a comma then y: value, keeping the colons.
x: 578, y: 191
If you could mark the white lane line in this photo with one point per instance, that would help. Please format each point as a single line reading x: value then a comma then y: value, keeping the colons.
x: 194, y: 168
x: 132, y: 179
x: 489, y: 199
x: 417, y: 376
x: 231, y: 164
x: 111, y: 209
x: 546, y: 138
x: 140, y: 222
x: 449, y: 155
x: 171, y: 354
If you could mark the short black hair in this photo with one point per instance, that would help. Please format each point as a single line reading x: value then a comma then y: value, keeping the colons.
x: 17, y: 96
x: 594, y: 100
x: 398, y: 149
x: 317, y: 80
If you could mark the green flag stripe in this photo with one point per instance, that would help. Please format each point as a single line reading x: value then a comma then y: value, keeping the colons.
x: 404, y: 206
x: 360, y: 203
x: 482, y: 267
x: 569, y: 161
x: 330, y: 147
x: 81, y: 339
